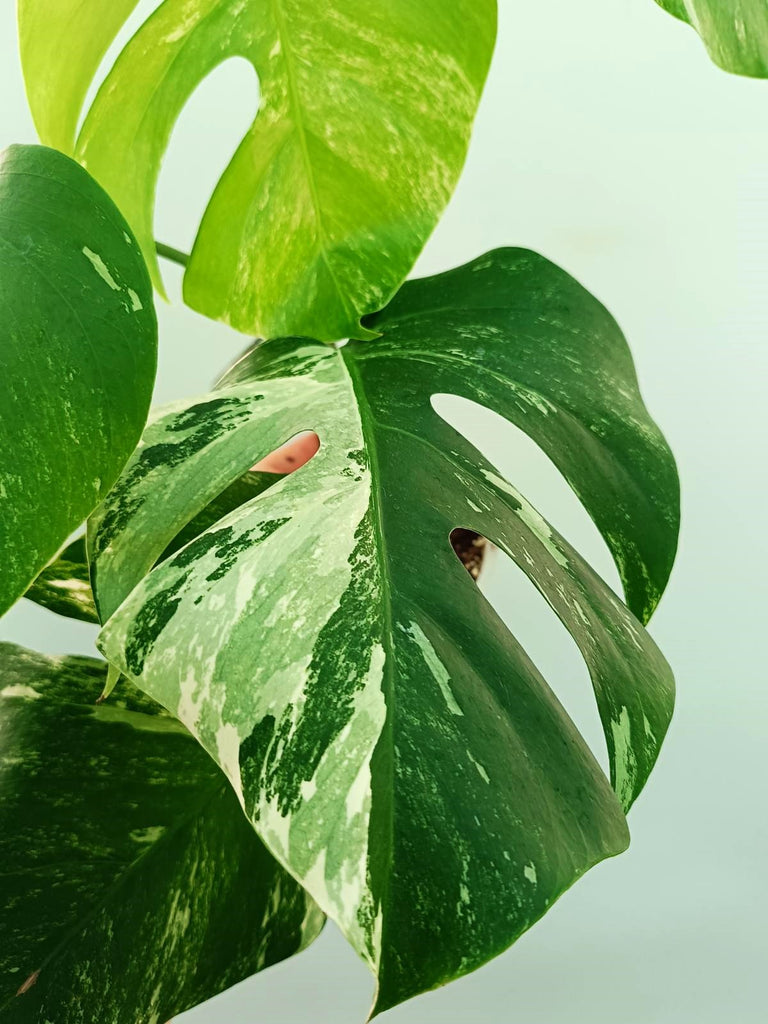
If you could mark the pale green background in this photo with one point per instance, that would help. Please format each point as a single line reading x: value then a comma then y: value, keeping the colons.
x: 608, y: 142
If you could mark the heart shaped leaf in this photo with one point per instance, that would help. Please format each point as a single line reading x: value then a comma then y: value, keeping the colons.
x: 391, y: 742
x: 78, y: 350
x: 132, y: 887
x: 735, y: 32
x: 363, y: 126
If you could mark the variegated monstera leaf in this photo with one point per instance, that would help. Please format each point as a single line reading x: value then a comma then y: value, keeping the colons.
x: 132, y: 886
x: 365, y: 113
x: 391, y: 742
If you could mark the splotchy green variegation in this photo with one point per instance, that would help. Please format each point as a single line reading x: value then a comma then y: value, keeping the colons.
x: 392, y: 744
x: 735, y: 32
x: 132, y: 887
x: 64, y: 586
x: 363, y: 125
x: 77, y: 323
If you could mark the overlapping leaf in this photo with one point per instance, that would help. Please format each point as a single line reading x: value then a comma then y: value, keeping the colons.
x: 64, y: 586
x: 78, y: 342
x: 132, y: 886
x: 391, y: 742
x: 735, y: 32
x: 362, y: 130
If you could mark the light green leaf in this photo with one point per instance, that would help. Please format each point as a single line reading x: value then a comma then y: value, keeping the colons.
x: 391, y: 742
x: 58, y: 74
x: 735, y: 32
x: 132, y: 886
x: 363, y: 125
x: 78, y: 348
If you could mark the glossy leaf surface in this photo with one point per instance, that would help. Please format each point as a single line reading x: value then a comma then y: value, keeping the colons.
x: 363, y: 125
x: 391, y: 742
x: 132, y: 885
x: 78, y: 349
x: 735, y: 32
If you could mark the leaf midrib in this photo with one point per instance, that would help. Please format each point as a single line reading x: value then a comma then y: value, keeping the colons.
x: 366, y: 418
x: 297, y: 111
x: 429, y: 358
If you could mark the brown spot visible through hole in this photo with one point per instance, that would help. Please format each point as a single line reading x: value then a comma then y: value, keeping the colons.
x: 470, y: 549
x: 291, y: 456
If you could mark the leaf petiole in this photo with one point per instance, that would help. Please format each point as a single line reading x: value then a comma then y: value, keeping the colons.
x: 174, y: 255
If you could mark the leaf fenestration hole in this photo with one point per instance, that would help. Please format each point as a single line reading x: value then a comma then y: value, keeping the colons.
x: 291, y: 456
x: 470, y: 549
x: 201, y: 147
x: 529, y: 468
x: 295, y: 453
x: 537, y: 628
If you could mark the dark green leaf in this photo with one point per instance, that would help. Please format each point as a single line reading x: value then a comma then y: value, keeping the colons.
x: 364, y: 120
x: 78, y: 347
x: 132, y: 886
x: 389, y: 739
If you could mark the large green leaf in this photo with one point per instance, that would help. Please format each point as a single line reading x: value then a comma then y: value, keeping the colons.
x: 391, y: 742
x: 735, y: 32
x: 132, y: 886
x: 78, y: 348
x: 364, y: 120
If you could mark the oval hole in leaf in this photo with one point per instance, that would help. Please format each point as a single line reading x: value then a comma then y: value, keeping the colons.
x: 470, y: 549
x: 536, y: 627
x: 529, y: 468
x: 292, y: 455
x: 201, y: 146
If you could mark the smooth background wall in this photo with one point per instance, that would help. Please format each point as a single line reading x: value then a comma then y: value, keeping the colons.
x: 608, y: 142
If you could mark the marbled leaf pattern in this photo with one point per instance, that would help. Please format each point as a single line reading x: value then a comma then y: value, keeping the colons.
x: 392, y: 744
x: 78, y: 321
x: 132, y: 886
x: 64, y: 586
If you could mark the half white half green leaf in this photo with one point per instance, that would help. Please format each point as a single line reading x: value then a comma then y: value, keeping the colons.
x: 132, y: 885
x: 363, y: 125
x: 78, y: 350
x: 735, y: 32
x: 393, y: 745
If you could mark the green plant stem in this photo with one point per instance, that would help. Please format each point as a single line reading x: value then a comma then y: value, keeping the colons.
x: 169, y: 253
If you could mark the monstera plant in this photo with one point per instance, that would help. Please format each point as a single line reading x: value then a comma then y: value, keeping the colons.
x: 305, y: 707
